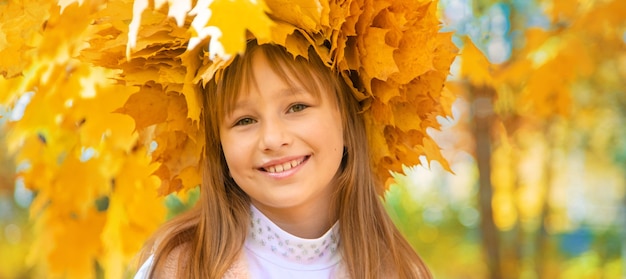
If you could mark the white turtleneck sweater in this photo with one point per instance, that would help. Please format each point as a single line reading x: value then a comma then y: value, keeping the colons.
x: 274, y: 253
x: 271, y: 252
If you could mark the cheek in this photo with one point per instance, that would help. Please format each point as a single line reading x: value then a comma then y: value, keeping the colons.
x: 332, y: 132
x: 231, y: 152
x: 238, y: 151
x: 338, y: 127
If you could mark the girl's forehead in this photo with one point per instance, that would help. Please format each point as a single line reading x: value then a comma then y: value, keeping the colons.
x: 283, y: 80
x: 284, y: 95
x: 297, y: 75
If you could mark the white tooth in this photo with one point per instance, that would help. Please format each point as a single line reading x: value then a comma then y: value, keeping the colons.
x: 287, y: 166
x: 284, y: 166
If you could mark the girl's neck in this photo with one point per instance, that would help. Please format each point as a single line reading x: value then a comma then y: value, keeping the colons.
x: 306, y: 223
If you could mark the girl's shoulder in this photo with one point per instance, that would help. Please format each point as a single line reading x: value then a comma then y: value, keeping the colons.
x: 174, y: 261
x: 178, y: 258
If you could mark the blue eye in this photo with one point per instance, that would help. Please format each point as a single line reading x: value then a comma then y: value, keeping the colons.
x: 245, y: 121
x: 297, y: 108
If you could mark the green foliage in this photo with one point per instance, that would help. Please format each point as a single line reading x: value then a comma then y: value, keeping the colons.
x: 177, y: 205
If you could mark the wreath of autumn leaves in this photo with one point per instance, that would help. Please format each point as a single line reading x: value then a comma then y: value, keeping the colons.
x: 390, y: 52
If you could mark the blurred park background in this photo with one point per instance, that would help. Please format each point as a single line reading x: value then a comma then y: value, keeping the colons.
x: 537, y: 145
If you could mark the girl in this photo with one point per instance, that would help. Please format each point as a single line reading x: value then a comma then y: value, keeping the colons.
x: 288, y: 189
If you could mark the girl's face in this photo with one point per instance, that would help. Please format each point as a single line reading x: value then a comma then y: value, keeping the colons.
x: 283, y: 145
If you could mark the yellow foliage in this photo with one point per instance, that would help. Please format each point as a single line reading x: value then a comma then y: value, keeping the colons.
x: 65, y: 244
x: 115, y: 122
x: 550, y: 61
x: 555, y: 74
x: 13, y: 19
x: 76, y: 148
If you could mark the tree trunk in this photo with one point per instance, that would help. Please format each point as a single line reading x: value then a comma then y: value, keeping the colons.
x: 542, y: 252
x: 483, y: 118
x: 623, y: 211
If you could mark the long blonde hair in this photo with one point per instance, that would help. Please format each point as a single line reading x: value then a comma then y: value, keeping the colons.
x: 214, y: 230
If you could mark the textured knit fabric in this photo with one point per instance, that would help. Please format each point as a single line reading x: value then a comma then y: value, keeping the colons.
x: 274, y: 253
x: 239, y: 269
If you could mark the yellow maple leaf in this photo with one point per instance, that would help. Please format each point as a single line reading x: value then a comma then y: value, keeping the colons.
x: 191, y: 60
x: 280, y: 33
x: 147, y: 107
x: 433, y: 152
x: 233, y: 35
x: 475, y: 66
x: 402, y: 111
x: 412, y: 61
x: 376, y: 54
x: 386, y: 90
x: 187, y: 155
x: 20, y: 26
x: 303, y: 14
x: 177, y: 116
x: 297, y: 44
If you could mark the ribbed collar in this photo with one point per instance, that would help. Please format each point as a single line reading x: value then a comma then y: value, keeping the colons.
x: 272, y: 243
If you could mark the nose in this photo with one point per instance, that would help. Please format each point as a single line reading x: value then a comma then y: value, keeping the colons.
x: 274, y: 135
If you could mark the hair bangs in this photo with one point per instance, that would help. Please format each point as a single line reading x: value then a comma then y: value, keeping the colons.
x: 238, y: 78
x: 289, y: 68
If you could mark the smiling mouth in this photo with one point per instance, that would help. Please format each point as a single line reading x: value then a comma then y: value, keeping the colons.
x: 285, y: 166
